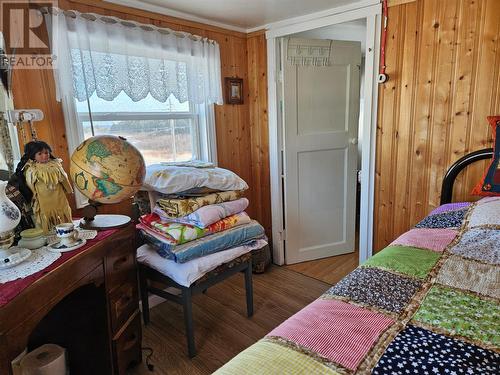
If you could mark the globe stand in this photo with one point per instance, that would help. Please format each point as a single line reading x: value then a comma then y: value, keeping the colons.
x: 91, y: 220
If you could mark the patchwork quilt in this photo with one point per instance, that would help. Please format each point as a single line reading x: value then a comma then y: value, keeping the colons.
x: 426, y: 304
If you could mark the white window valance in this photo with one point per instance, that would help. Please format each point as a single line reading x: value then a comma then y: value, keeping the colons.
x: 106, y: 55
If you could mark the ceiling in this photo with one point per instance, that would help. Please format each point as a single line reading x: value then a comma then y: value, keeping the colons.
x: 240, y: 15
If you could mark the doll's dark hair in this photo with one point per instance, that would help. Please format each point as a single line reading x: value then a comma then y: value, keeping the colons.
x: 18, y: 180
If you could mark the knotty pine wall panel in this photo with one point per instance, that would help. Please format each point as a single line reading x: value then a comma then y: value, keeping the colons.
x: 257, y: 87
x: 235, y: 143
x: 443, y: 60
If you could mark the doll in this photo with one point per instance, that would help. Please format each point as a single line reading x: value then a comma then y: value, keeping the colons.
x: 48, y: 184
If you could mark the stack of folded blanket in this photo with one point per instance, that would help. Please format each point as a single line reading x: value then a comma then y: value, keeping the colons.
x: 197, y: 210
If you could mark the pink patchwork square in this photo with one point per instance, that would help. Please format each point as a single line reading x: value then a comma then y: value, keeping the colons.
x: 336, y: 330
x: 426, y: 238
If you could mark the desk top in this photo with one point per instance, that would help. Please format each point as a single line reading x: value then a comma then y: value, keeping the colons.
x: 9, y: 290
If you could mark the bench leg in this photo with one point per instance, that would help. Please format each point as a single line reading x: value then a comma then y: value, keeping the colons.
x: 188, y: 320
x: 143, y: 284
x: 249, y: 289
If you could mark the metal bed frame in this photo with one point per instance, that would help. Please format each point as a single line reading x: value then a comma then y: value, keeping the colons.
x: 457, y: 167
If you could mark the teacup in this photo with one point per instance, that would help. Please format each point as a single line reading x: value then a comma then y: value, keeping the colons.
x: 66, y: 233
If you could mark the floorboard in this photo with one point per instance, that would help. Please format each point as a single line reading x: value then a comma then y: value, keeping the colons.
x: 329, y: 270
x: 222, y: 329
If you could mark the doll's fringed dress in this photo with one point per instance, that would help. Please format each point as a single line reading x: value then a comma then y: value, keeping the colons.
x: 49, y: 184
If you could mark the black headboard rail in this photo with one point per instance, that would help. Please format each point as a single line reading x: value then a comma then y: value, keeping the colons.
x: 456, y: 168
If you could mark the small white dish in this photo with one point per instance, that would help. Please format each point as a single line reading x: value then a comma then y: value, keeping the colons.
x: 59, y: 247
x: 13, y: 256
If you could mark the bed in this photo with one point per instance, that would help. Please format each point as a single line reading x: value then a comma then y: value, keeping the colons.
x: 426, y: 304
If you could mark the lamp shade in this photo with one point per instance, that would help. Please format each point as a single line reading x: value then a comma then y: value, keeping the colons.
x: 10, y: 216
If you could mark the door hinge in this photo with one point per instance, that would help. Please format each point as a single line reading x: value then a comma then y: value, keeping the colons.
x: 359, y: 176
x: 282, y: 235
x: 280, y: 76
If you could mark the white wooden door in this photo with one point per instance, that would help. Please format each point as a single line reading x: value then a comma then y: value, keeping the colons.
x: 320, y: 114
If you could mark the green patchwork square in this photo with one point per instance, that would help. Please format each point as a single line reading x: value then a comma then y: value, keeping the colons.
x: 463, y: 314
x: 406, y: 260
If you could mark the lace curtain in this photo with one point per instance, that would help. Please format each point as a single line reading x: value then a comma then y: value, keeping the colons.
x: 106, y: 55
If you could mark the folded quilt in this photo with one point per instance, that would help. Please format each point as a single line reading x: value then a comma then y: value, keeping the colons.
x: 178, y: 234
x: 174, y: 208
x: 206, y: 215
x: 233, y: 237
x: 188, y: 272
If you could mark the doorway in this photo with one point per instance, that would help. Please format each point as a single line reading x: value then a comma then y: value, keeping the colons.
x: 322, y: 137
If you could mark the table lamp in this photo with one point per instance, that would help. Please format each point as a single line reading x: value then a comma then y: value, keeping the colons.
x: 10, y: 216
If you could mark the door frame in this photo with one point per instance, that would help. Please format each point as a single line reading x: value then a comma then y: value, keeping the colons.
x: 370, y: 10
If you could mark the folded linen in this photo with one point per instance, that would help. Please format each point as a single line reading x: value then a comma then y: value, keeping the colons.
x: 206, y: 215
x: 182, y: 233
x: 181, y: 207
x: 187, y: 273
x: 220, y: 241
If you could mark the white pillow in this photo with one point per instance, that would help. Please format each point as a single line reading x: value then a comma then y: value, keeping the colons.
x: 187, y: 273
x: 173, y: 179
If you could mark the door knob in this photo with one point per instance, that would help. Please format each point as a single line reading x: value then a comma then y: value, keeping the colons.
x: 353, y: 141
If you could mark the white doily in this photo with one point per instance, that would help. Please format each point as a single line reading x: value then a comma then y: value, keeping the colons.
x: 39, y: 259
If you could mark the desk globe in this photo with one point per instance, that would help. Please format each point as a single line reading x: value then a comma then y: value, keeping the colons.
x: 106, y: 169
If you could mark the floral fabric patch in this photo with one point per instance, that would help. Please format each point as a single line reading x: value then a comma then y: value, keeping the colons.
x: 425, y: 238
x: 450, y: 219
x: 406, y: 260
x: 481, y: 244
x: 377, y: 288
x: 470, y: 275
x: 462, y: 314
x: 418, y: 351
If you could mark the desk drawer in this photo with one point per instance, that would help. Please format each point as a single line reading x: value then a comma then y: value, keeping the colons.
x: 120, y: 263
x: 123, y: 301
x: 127, y: 347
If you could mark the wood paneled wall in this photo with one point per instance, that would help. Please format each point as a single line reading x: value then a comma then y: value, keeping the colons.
x: 241, y: 129
x: 257, y: 86
x: 443, y: 62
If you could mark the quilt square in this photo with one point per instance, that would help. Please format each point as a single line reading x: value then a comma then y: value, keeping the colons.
x: 449, y: 219
x: 425, y: 238
x: 479, y: 243
x: 485, y: 213
x: 406, y: 260
x: 461, y: 273
x: 450, y: 207
x: 377, y: 288
x: 341, y: 332
x: 270, y: 358
x: 418, y: 351
x: 462, y: 314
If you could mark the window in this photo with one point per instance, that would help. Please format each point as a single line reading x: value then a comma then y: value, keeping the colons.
x: 154, y: 86
x: 170, y: 131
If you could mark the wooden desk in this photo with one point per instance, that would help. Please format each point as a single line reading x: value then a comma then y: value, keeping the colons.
x: 110, y: 264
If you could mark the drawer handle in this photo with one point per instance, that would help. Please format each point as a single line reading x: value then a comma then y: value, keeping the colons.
x: 119, y: 262
x: 130, y: 341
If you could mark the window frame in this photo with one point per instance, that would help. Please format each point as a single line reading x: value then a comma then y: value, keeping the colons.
x: 204, y: 122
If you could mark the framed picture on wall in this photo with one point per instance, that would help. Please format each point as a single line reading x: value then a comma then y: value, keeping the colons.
x: 234, y: 90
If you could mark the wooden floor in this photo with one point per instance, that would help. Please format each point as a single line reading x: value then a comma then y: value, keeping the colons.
x: 222, y: 329
x: 329, y: 270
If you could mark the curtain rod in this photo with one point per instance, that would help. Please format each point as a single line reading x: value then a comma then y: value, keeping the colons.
x: 126, y: 23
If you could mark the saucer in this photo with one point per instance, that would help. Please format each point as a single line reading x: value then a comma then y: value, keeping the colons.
x: 57, y: 247
x: 18, y: 255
